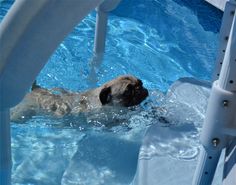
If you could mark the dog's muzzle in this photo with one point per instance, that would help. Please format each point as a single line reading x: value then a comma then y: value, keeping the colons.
x: 137, y: 98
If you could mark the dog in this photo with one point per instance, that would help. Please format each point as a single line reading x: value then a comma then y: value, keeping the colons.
x: 124, y: 91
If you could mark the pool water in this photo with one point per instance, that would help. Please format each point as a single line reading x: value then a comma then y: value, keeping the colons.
x: 158, y: 41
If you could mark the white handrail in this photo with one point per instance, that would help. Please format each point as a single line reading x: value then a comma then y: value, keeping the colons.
x: 29, y: 34
x: 5, y: 148
x: 219, y: 128
x: 223, y: 37
x: 101, y: 24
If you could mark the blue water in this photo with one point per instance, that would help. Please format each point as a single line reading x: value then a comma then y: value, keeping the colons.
x: 158, y: 41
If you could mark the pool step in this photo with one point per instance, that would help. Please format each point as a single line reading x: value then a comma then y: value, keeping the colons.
x: 220, y: 4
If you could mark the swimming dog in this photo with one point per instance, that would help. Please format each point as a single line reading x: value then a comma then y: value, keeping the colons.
x: 124, y: 91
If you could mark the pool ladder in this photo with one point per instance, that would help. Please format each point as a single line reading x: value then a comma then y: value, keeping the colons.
x: 219, y: 128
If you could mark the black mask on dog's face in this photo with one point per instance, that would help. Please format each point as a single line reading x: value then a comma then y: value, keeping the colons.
x: 134, y: 94
x: 105, y: 95
x: 125, y: 92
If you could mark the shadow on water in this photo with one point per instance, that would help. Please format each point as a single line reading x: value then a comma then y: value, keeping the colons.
x: 208, y: 16
x: 106, y: 158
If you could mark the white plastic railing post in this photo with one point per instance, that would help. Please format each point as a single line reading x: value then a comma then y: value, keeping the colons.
x: 219, y: 126
x: 229, y: 173
x: 224, y: 37
x: 220, y: 112
x: 100, y: 32
x: 100, y: 37
x: 29, y: 34
x: 227, y: 80
x: 5, y: 148
x: 101, y: 24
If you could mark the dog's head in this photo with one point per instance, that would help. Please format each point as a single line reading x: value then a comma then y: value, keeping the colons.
x: 124, y: 90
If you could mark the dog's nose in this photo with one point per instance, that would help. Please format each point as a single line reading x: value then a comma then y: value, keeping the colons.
x: 142, y: 93
x: 145, y: 92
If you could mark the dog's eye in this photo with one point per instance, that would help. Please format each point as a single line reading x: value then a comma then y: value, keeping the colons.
x: 128, y: 91
x: 137, y: 88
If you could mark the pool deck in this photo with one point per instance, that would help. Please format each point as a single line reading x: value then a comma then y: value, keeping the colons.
x: 220, y: 4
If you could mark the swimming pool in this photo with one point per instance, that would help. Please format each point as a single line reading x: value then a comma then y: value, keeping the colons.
x: 158, y: 41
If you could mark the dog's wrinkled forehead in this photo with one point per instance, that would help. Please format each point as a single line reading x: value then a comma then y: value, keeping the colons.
x: 120, y: 83
x: 130, y: 79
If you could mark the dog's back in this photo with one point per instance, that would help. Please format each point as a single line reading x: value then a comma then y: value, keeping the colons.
x: 42, y: 101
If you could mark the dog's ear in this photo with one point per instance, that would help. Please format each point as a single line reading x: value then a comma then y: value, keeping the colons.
x: 105, y: 95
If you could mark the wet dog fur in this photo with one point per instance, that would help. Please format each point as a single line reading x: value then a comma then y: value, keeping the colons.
x: 124, y: 91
